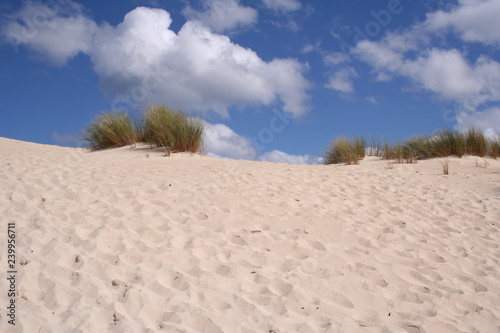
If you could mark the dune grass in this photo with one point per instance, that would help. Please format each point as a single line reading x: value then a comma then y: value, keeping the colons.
x: 476, y: 143
x: 494, y: 148
x: 343, y: 150
x: 110, y: 129
x: 172, y: 130
x: 160, y: 125
x: 444, y: 143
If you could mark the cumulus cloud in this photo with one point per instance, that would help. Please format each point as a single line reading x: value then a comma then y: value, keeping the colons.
x: 56, y: 33
x: 335, y: 58
x: 222, y: 141
x: 445, y: 72
x: 141, y: 61
x: 380, y: 55
x: 473, y: 20
x: 342, y: 80
x: 286, y: 5
x: 487, y: 120
x: 472, y: 83
x: 277, y: 156
x: 222, y: 15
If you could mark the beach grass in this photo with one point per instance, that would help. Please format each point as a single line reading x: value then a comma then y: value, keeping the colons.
x: 443, y: 143
x: 160, y: 125
x: 110, y: 129
x: 343, y: 150
x: 494, y: 148
x: 476, y: 143
x: 173, y: 130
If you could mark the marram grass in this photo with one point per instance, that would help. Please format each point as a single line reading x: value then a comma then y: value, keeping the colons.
x: 160, y: 125
x: 172, y: 129
x: 443, y: 144
x: 110, y: 129
x: 343, y: 150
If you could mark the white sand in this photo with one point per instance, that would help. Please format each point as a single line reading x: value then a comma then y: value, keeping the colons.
x: 116, y: 241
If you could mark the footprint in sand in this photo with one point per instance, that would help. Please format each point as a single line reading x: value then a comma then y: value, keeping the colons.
x: 178, y: 281
x: 75, y: 278
x: 78, y: 262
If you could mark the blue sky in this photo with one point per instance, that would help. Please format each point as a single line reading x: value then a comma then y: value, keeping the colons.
x: 274, y: 80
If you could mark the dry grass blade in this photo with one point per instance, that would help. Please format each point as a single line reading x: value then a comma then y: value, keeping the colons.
x: 446, y: 167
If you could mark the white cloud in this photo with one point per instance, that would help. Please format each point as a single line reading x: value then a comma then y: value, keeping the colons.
x: 383, y: 77
x: 141, y: 61
x: 335, y: 58
x: 473, y: 20
x: 450, y: 75
x: 379, y: 55
x: 342, y: 80
x: 308, y: 48
x: 487, y: 120
x: 472, y: 83
x: 223, y: 15
x: 372, y: 100
x: 277, y: 156
x: 445, y: 72
x: 286, y: 5
x: 222, y: 141
x: 55, y: 33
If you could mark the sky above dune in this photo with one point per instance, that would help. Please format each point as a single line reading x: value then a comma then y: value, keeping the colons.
x: 274, y: 80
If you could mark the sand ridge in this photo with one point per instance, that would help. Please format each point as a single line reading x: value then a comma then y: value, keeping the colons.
x: 126, y: 240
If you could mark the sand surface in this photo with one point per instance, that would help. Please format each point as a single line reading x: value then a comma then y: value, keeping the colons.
x: 127, y: 240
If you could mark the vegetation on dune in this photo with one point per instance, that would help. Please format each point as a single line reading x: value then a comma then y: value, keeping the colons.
x: 172, y: 129
x: 475, y: 143
x: 494, y: 148
x: 343, y: 150
x: 110, y: 129
x: 443, y: 144
x: 160, y: 125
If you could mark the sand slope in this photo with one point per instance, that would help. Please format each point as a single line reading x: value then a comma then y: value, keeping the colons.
x: 127, y: 240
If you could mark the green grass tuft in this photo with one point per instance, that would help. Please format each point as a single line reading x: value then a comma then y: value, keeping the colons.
x: 172, y: 129
x: 342, y: 150
x: 110, y: 129
x: 443, y: 144
x: 494, y: 148
x: 476, y: 143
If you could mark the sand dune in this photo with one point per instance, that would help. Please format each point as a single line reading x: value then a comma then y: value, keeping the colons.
x: 127, y: 240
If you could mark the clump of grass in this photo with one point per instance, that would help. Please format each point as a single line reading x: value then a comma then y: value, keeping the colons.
x: 359, y: 146
x: 402, y: 153
x: 483, y: 164
x: 443, y: 144
x: 110, y: 129
x: 376, y: 148
x: 172, y: 130
x: 447, y: 143
x: 476, y: 143
x: 342, y: 150
x: 446, y: 167
x: 494, y: 148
